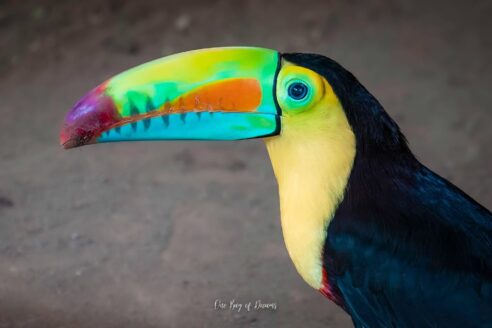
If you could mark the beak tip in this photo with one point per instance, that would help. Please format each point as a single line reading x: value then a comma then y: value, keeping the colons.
x: 93, y: 114
x: 67, y: 145
x: 73, y: 140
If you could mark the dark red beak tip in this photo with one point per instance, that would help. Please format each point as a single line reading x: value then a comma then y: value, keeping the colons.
x: 77, y: 140
x: 93, y: 114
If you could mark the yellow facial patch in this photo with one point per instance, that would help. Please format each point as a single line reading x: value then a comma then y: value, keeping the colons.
x: 312, y: 159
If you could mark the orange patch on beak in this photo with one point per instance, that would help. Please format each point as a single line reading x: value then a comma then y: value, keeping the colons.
x: 231, y: 95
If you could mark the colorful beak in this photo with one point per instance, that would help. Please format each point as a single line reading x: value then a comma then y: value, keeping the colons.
x: 209, y: 94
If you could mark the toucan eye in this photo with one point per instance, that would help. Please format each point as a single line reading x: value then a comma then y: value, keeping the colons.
x: 297, y: 90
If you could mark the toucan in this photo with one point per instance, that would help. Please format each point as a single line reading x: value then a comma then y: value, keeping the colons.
x: 364, y: 222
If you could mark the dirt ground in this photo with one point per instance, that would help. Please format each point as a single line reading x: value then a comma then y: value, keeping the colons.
x: 158, y: 234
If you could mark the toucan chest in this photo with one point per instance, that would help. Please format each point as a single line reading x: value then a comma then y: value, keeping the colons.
x: 312, y: 171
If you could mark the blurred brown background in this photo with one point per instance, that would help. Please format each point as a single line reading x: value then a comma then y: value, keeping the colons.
x: 151, y: 234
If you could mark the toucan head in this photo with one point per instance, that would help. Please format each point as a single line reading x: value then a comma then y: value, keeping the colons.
x: 210, y: 94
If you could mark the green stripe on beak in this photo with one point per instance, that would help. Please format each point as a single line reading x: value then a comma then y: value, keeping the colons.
x: 209, y: 94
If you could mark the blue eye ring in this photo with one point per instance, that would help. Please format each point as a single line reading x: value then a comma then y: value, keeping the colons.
x: 298, y: 90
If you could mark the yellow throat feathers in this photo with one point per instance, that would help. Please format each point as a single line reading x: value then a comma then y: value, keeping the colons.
x: 312, y: 160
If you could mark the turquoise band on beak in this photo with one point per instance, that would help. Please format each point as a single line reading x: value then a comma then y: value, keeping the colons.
x: 196, y: 126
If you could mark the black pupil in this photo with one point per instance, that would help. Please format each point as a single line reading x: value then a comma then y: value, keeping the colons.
x: 297, y: 90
